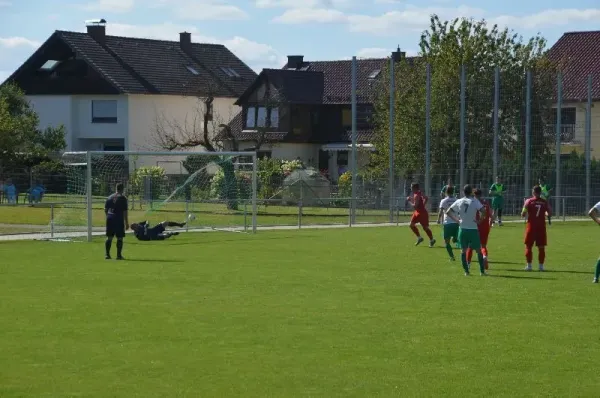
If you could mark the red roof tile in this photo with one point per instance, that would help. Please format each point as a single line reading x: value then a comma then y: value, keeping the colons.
x: 578, y: 53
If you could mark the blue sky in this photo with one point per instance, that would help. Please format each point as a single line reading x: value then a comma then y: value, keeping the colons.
x: 263, y: 32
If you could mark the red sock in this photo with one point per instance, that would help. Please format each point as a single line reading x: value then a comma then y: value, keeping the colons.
x: 469, y: 255
x: 415, y: 230
x: 484, y: 251
x: 528, y: 254
x: 429, y: 234
x: 541, y: 254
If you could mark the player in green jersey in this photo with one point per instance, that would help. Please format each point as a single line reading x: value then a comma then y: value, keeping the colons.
x: 497, y: 191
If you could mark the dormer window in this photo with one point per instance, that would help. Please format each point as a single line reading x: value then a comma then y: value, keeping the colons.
x: 49, y: 65
x: 374, y: 74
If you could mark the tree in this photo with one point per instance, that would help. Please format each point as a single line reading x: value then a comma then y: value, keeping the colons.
x: 446, y: 46
x: 22, y: 143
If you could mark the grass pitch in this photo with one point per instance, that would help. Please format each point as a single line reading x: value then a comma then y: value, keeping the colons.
x: 357, y: 312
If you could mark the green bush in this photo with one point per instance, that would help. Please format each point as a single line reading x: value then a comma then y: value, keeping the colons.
x: 157, y: 176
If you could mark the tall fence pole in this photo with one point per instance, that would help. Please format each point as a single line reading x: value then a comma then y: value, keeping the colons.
x: 392, y: 120
x: 428, y: 132
x: 463, y: 110
x: 558, y: 134
x: 527, y: 182
x: 354, y: 154
x: 496, y: 121
x: 588, y: 145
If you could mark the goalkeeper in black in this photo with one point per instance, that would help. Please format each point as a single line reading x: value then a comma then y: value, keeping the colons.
x: 143, y: 230
x: 117, y: 222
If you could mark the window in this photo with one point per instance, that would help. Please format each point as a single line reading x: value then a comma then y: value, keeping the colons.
x: 257, y: 117
x: 374, y: 74
x: 251, y: 117
x: 104, y: 111
x: 274, y: 117
x: 229, y: 71
x: 568, y: 122
x: 50, y: 65
x: 192, y: 70
x: 567, y: 115
x: 346, y: 117
x: 263, y: 154
x: 261, y: 118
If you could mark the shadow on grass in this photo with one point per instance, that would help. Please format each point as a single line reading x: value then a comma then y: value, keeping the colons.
x: 552, y: 271
x: 152, y: 260
x: 520, y: 277
x: 504, y: 262
x: 257, y: 238
x: 571, y: 272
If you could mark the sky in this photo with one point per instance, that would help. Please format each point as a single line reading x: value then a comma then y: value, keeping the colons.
x: 263, y: 32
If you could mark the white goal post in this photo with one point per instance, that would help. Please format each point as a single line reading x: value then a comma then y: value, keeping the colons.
x: 162, y: 184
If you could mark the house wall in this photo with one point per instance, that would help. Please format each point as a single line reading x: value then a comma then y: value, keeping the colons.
x: 579, y: 144
x: 53, y: 111
x: 145, y: 111
x: 75, y: 113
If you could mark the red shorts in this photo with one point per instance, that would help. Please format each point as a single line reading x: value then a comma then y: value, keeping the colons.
x: 484, y: 233
x: 420, y: 218
x: 536, y: 236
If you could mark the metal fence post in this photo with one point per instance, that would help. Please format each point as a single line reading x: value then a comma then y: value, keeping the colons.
x: 52, y: 220
x: 496, y: 121
x: 187, y: 216
x: 558, y: 134
x: 527, y: 181
x: 463, y: 89
x: 392, y: 120
x: 428, y: 132
x: 245, y: 216
x: 354, y: 154
x: 300, y: 214
x: 588, y: 145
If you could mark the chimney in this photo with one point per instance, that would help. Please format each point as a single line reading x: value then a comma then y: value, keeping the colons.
x: 295, y: 61
x: 96, y: 28
x: 185, y: 41
x: 398, y: 55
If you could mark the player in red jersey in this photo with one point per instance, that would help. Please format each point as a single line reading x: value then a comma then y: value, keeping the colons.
x: 420, y: 215
x: 536, y: 209
x: 484, y: 228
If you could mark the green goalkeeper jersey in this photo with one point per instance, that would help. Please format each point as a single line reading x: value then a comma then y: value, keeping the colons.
x: 497, y: 189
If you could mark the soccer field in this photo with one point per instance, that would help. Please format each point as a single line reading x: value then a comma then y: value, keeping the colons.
x: 355, y: 312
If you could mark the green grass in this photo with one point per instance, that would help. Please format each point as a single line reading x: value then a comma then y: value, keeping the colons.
x: 355, y: 312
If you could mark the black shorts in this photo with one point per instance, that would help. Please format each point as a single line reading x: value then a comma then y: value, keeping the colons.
x: 115, y: 228
x: 155, y: 233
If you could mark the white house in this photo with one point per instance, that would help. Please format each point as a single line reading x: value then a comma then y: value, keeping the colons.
x: 113, y: 93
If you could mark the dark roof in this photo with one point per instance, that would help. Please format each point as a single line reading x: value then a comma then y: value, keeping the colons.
x: 296, y: 87
x: 578, y: 55
x: 146, y: 66
x: 338, y: 78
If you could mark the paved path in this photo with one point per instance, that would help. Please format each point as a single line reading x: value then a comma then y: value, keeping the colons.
x: 98, y: 231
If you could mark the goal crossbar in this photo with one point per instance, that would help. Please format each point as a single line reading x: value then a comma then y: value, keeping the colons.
x: 88, y: 165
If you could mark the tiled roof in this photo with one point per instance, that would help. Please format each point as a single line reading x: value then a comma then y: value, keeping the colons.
x: 578, y: 55
x: 338, y: 78
x: 145, y: 66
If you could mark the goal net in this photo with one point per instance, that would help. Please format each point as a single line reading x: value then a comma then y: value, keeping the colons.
x: 217, y: 188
